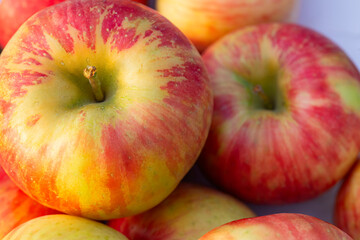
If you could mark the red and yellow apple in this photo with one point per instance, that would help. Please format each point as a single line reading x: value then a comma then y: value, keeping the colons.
x: 187, y: 214
x: 205, y: 21
x: 63, y: 227
x: 282, y: 226
x: 13, y: 13
x: 16, y: 207
x: 347, y: 207
x: 286, y: 113
x: 104, y: 107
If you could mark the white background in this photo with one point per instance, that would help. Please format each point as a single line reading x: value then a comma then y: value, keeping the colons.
x: 337, y: 19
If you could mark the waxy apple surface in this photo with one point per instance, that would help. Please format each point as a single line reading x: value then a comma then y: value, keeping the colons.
x: 97, y: 158
x: 16, y: 207
x: 286, y: 113
x: 347, y: 207
x: 187, y: 214
x: 63, y: 227
x: 13, y: 13
x: 205, y: 21
x: 282, y: 226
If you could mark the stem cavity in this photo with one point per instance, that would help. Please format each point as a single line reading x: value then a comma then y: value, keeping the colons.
x: 265, y: 99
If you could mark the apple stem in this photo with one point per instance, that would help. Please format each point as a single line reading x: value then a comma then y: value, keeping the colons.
x: 90, y: 73
x: 265, y: 99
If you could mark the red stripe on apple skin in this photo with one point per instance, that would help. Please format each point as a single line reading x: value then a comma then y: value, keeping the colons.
x: 277, y: 226
x: 148, y: 33
x: 82, y: 117
x: 174, y: 39
x: 185, y: 90
x: 130, y: 160
x: 36, y: 43
x: 44, y: 181
x: 150, y: 132
x: 16, y: 207
x: 32, y: 120
x: 307, y: 149
x: 76, y: 19
x: 128, y: 36
x: 27, y: 61
x: 112, y: 27
x: 86, y: 24
x: 295, y: 59
x: 225, y: 104
x: 21, y: 80
x: 45, y: 186
x: 5, y: 107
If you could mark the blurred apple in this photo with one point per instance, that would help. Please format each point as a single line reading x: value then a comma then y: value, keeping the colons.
x: 205, y: 21
x: 347, y: 207
x: 16, y: 207
x: 104, y: 107
x: 187, y: 214
x: 63, y: 227
x: 282, y: 226
x: 286, y: 110
x: 13, y: 13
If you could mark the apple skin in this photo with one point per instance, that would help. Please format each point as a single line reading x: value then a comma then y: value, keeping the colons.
x: 347, y: 206
x: 16, y: 207
x: 286, y: 106
x: 109, y: 159
x: 141, y: 1
x: 60, y: 226
x: 188, y: 213
x: 13, y: 13
x: 281, y: 226
x: 215, y: 18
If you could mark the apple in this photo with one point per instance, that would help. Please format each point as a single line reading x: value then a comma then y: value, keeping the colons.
x: 104, y: 107
x: 286, y: 114
x: 205, y: 21
x: 347, y: 206
x: 13, y: 13
x: 62, y: 226
x: 281, y: 226
x: 16, y: 207
x: 188, y: 213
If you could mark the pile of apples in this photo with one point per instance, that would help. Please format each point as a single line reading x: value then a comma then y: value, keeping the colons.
x: 106, y: 105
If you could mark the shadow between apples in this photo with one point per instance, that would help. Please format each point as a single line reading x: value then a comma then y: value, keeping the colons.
x: 321, y: 207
